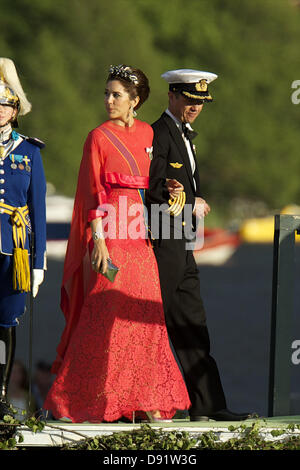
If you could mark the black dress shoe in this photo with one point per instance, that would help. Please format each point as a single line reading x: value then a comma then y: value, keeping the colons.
x: 199, y: 418
x: 227, y: 415
x: 222, y: 415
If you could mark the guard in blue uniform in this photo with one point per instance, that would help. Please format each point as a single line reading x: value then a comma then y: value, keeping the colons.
x: 22, y: 219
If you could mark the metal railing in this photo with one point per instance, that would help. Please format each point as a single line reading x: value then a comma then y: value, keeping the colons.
x: 282, y: 313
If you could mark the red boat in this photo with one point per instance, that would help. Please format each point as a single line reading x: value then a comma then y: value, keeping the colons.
x: 219, y: 245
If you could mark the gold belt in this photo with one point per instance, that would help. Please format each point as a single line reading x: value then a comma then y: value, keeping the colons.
x: 21, y: 270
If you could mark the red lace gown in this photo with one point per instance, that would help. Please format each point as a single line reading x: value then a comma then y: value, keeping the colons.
x: 114, y: 357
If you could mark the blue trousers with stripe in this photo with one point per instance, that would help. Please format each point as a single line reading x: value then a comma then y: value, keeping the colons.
x: 12, y: 303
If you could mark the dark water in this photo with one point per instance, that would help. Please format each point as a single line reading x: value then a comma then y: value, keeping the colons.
x: 237, y: 297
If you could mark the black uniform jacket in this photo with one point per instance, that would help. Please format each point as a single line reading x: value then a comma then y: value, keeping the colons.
x: 170, y: 160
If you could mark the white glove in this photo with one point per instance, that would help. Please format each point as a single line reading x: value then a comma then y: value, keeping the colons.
x: 37, y: 279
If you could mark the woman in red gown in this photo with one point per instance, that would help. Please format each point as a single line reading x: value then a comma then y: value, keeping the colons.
x: 114, y: 358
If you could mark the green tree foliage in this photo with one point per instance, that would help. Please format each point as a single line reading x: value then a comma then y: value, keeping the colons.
x: 248, y: 142
x: 63, y: 50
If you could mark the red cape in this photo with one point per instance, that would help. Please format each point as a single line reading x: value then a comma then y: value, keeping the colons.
x: 90, y: 194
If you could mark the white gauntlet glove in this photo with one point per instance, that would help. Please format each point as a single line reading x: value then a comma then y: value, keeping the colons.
x: 37, y: 279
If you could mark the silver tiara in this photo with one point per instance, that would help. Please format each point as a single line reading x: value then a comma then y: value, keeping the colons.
x: 123, y: 71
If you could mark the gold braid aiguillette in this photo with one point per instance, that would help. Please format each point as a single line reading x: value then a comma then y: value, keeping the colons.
x: 177, y: 204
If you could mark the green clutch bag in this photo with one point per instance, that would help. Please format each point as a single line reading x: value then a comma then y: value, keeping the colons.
x: 111, y: 271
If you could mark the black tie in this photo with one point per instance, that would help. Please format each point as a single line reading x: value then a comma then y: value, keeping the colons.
x: 188, y: 133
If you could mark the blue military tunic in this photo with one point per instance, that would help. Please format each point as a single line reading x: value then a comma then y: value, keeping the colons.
x: 22, y: 183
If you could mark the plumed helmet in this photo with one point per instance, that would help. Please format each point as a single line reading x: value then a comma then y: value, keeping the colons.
x: 8, y: 96
x: 11, y: 91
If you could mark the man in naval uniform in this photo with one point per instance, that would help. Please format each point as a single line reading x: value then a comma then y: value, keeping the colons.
x: 174, y: 168
x: 22, y: 216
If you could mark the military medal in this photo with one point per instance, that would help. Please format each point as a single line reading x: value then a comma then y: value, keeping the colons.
x: 13, y: 164
x: 17, y: 162
x: 149, y: 151
x: 27, y: 160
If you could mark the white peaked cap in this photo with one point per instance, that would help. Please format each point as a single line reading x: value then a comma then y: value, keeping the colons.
x: 188, y: 76
x: 190, y: 83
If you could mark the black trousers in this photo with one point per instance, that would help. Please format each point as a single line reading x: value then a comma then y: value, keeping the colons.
x: 186, y: 324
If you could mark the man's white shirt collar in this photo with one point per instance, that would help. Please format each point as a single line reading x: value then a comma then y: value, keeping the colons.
x: 187, y: 143
x: 177, y: 122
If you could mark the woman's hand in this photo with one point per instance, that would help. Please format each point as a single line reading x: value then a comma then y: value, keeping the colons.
x: 174, y: 187
x: 99, y: 256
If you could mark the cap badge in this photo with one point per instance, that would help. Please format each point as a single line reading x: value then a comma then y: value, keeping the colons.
x: 202, y: 85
